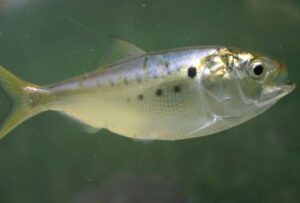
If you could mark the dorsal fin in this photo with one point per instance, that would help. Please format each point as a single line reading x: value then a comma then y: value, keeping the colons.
x: 121, y: 50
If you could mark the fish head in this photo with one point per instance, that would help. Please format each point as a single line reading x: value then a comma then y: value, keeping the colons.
x: 245, y: 83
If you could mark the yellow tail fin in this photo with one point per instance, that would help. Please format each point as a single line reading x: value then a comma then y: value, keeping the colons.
x: 19, y: 94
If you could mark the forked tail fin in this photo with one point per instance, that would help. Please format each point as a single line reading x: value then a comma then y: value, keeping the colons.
x: 21, y: 101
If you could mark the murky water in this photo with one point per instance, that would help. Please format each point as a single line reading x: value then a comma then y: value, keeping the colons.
x: 50, y: 159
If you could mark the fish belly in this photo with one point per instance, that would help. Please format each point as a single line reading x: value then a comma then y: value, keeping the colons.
x: 166, y: 110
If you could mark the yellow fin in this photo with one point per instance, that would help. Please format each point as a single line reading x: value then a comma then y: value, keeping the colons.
x: 20, y: 98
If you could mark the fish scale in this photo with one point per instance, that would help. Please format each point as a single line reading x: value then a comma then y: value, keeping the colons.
x: 166, y: 95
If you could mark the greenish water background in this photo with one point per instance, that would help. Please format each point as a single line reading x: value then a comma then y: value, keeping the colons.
x: 50, y: 159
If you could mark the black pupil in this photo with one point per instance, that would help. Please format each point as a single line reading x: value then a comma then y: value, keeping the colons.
x: 258, y: 70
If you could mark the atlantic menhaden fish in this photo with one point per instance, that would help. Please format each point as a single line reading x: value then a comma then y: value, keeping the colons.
x: 166, y: 95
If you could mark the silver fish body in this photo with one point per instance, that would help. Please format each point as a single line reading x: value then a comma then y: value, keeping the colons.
x: 150, y: 97
x: 167, y: 95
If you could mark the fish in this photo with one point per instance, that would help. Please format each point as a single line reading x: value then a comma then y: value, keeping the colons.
x: 165, y: 95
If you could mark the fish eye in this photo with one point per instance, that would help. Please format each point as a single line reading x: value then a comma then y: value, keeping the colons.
x: 257, y: 69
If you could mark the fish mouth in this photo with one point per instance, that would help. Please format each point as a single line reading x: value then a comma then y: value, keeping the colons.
x: 287, y: 87
x: 272, y: 94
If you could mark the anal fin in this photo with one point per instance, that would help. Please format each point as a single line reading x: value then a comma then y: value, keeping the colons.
x: 85, y: 127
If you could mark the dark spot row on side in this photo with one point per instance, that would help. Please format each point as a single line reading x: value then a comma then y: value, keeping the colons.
x: 145, y: 63
x: 140, y: 97
x: 126, y: 81
x: 177, y: 89
x: 158, y: 92
x: 167, y: 64
x: 191, y: 72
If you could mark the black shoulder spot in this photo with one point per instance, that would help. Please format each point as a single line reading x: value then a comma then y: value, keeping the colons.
x: 192, y: 72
